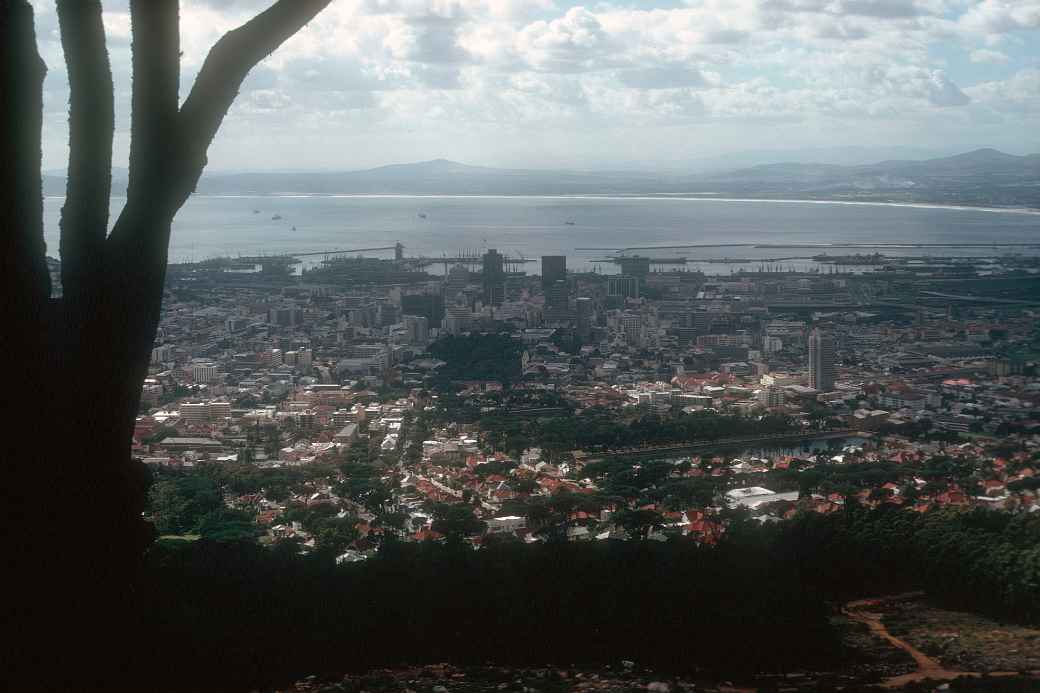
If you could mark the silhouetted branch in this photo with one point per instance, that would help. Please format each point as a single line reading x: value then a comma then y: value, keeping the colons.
x: 137, y: 248
x: 84, y: 218
x: 25, y: 283
x: 138, y: 245
x: 226, y: 67
x: 153, y: 118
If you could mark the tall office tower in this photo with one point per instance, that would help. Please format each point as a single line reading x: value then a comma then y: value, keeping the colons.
x: 494, y: 278
x: 557, y: 297
x: 632, y: 327
x: 635, y: 266
x: 585, y: 309
x: 457, y: 319
x: 772, y: 396
x: 418, y: 328
x: 428, y: 305
x: 554, y: 280
x: 623, y: 286
x: 821, y: 361
x: 455, y: 282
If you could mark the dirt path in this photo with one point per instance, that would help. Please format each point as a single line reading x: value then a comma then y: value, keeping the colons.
x: 927, y: 668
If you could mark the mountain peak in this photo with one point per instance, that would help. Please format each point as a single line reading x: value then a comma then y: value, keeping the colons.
x: 440, y: 163
x: 985, y: 154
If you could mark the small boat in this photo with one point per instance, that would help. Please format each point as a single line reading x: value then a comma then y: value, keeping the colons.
x: 422, y: 215
x: 569, y: 222
x: 256, y: 211
x: 276, y: 217
x: 294, y: 228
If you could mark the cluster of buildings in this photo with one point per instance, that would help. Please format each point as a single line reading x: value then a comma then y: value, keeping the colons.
x: 296, y: 372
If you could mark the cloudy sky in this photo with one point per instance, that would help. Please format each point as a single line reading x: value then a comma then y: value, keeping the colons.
x: 619, y: 83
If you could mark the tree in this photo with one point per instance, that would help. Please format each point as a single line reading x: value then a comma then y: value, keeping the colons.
x: 226, y: 524
x: 334, y: 534
x: 246, y: 455
x: 453, y: 520
x: 86, y: 354
x: 178, y: 505
x: 640, y: 523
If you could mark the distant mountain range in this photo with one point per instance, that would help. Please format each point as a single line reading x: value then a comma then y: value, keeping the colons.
x: 985, y: 177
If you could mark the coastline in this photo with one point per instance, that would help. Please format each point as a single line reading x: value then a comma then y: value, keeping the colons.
x: 641, y: 197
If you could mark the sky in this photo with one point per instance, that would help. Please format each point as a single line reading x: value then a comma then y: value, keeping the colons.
x: 649, y: 84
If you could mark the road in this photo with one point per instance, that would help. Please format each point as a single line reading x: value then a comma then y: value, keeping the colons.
x: 928, y: 669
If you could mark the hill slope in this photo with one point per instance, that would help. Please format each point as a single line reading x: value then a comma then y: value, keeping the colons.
x: 981, y: 177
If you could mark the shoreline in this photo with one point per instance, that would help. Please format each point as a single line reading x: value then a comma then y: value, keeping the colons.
x: 639, y: 197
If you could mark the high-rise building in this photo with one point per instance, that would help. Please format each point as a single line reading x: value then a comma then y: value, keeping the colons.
x: 557, y: 297
x: 218, y: 411
x: 821, y: 361
x: 623, y: 286
x: 586, y: 313
x: 418, y: 329
x: 389, y: 314
x: 428, y: 305
x: 194, y: 412
x: 286, y: 316
x: 554, y: 280
x: 554, y: 269
x: 457, y: 319
x: 494, y: 278
x: 270, y: 358
x: 635, y: 266
x: 205, y: 412
x: 162, y: 353
x: 204, y: 372
x: 771, y: 396
x: 455, y: 282
x: 632, y: 327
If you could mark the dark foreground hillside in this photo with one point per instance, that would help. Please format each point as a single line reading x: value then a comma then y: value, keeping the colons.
x: 237, y: 616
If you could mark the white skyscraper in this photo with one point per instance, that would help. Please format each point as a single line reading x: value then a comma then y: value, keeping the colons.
x: 821, y: 361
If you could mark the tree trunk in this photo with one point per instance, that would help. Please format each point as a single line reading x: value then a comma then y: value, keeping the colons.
x: 73, y: 497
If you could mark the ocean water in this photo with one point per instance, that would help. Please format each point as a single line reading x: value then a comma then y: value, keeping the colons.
x: 210, y: 226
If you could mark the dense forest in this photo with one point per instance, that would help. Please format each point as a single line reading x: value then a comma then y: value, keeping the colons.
x: 233, y: 615
x: 477, y: 357
x: 980, y: 560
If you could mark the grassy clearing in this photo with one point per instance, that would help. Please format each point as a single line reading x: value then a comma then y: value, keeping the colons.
x: 964, y: 641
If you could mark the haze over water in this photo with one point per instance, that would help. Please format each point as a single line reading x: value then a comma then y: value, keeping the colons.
x: 209, y: 226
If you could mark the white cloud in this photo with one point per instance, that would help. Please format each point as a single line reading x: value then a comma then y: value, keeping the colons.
x: 1002, y: 16
x: 942, y: 92
x: 1019, y: 94
x: 732, y: 70
x: 575, y: 42
x: 985, y: 55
